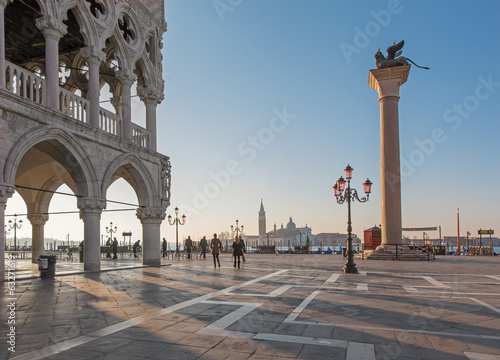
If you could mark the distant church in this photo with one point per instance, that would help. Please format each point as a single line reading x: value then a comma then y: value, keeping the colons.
x: 291, y: 235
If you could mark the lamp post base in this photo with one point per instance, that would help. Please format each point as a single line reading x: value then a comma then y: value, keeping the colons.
x: 350, y: 269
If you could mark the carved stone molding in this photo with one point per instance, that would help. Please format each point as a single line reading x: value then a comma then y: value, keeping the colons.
x: 151, y: 215
x: 51, y: 27
x: 166, y: 177
x: 93, y: 55
x: 91, y: 205
x: 38, y: 219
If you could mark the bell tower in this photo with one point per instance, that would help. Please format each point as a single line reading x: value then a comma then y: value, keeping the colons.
x: 262, y: 220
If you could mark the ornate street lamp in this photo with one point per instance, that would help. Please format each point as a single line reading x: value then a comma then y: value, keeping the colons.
x: 15, y: 225
x: 347, y: 195
x: 236, y: 230
x: 110, y: 231
x: 6, y: 231
x: 176, y: 222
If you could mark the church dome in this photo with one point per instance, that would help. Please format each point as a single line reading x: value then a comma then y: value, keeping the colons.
x: 291, y: 224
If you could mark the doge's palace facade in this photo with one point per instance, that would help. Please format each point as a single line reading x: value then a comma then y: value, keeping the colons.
x: 55, y: 57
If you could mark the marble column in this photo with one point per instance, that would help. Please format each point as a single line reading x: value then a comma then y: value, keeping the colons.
x: 387, y: 83
x: 94, y: 58
x: 53, y: 30
x: 3, y: 4
x: 37, y: 235
x: 5, y: 193
x: 126, y: 78
x: 151, y: 219
x: 151, y: 99
x: 91, y: 210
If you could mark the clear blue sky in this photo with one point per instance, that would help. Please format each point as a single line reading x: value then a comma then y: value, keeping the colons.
x: 229, y: 69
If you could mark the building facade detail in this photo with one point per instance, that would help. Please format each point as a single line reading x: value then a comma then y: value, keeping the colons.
x: 53, y: 130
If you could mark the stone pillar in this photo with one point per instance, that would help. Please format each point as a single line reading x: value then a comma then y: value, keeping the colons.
x: 126, y: 78
x: 91, y: 210
x: 53, y: 30
x: 3, y: 4
x: 151, y: 99
x: 387, y: 82
x: 94, y: 58
x: 5, y: 193
x: 151, y: 219
x: 37, y: 230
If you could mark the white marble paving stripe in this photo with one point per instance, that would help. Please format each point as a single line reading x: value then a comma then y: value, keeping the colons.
x: 434, y: 282
x: 491, y: 307
x: 360, y: 351
x: 479, y: 356
x: 332, y: 278
x: 79, y: 340
x: 295, y: 313
x: 273, y: 293
x: 301, y: 340
x: 362, y: 287
x: 493, y: 277
x: 409, y: 288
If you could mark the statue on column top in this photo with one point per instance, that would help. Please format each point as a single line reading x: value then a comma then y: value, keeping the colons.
x: 393, y: 57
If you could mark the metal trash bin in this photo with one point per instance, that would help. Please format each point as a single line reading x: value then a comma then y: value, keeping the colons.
x: 47, y: 266
x: 344, y: 252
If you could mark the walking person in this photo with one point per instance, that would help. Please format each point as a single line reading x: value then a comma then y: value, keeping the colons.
x: 189, y: 245
x: 109, y: 243
x: 137, y: 246
x: 164, y: 247
x: 243, y: 249
x: 115, y: 249
x: 216, y: 246
x: 237, y: 250
x: 203, y: 246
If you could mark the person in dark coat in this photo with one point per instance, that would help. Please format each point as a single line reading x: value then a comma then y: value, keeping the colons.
x: 164, y: 247
x: 189, y: 246
x: 109, y: 243
x: 216, y: 246
x: 243, y: 249
x: 137, y: 246
x: 237, y: 250
x: 115, y: 249
x: 203, y: 246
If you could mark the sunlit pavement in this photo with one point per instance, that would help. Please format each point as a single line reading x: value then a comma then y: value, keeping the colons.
x: 285, y: 306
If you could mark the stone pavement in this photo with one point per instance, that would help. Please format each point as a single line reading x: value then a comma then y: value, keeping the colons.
x: 286, y: 306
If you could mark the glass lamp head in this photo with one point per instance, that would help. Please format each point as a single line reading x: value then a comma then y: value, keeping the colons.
x: 348, y: 172
x: 368, y: 186
x: 341, y: 184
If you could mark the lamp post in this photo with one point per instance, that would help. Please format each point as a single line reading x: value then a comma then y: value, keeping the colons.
x: 15, y: 225
x: 348, y: 195
x: 6, y: 232
x: 238, y: 229
x: 110, y: 231
x: 176, y: 222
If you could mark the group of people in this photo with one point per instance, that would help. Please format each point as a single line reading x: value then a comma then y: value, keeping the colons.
x: 215, y: 247
x: 114, y: 245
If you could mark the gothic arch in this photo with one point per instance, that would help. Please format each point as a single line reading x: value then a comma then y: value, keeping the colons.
x: 136, y: 174
x: 76, y: 162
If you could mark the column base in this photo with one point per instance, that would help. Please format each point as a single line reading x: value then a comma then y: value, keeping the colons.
x: 92, y: 267
x: 152, y: 262
x: 350, y: 269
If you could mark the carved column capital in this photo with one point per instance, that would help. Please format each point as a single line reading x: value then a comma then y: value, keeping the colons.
x: 151, y: 215
x: 91, y: 205
x: 150, y: 95
x: 6, y: 192
x: 126, y: 77
x: 51, y: 27
x: 93, y: 55
x: 38, y: 219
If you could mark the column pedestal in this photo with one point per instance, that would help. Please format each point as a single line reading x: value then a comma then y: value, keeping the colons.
x: 387, y: 83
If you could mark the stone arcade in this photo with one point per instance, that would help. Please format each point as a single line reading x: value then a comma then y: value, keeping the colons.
x: 53, y: 130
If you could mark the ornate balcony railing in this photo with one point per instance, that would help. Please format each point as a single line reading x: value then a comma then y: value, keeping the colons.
x: 32, y: 87
x: 24, y: 83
